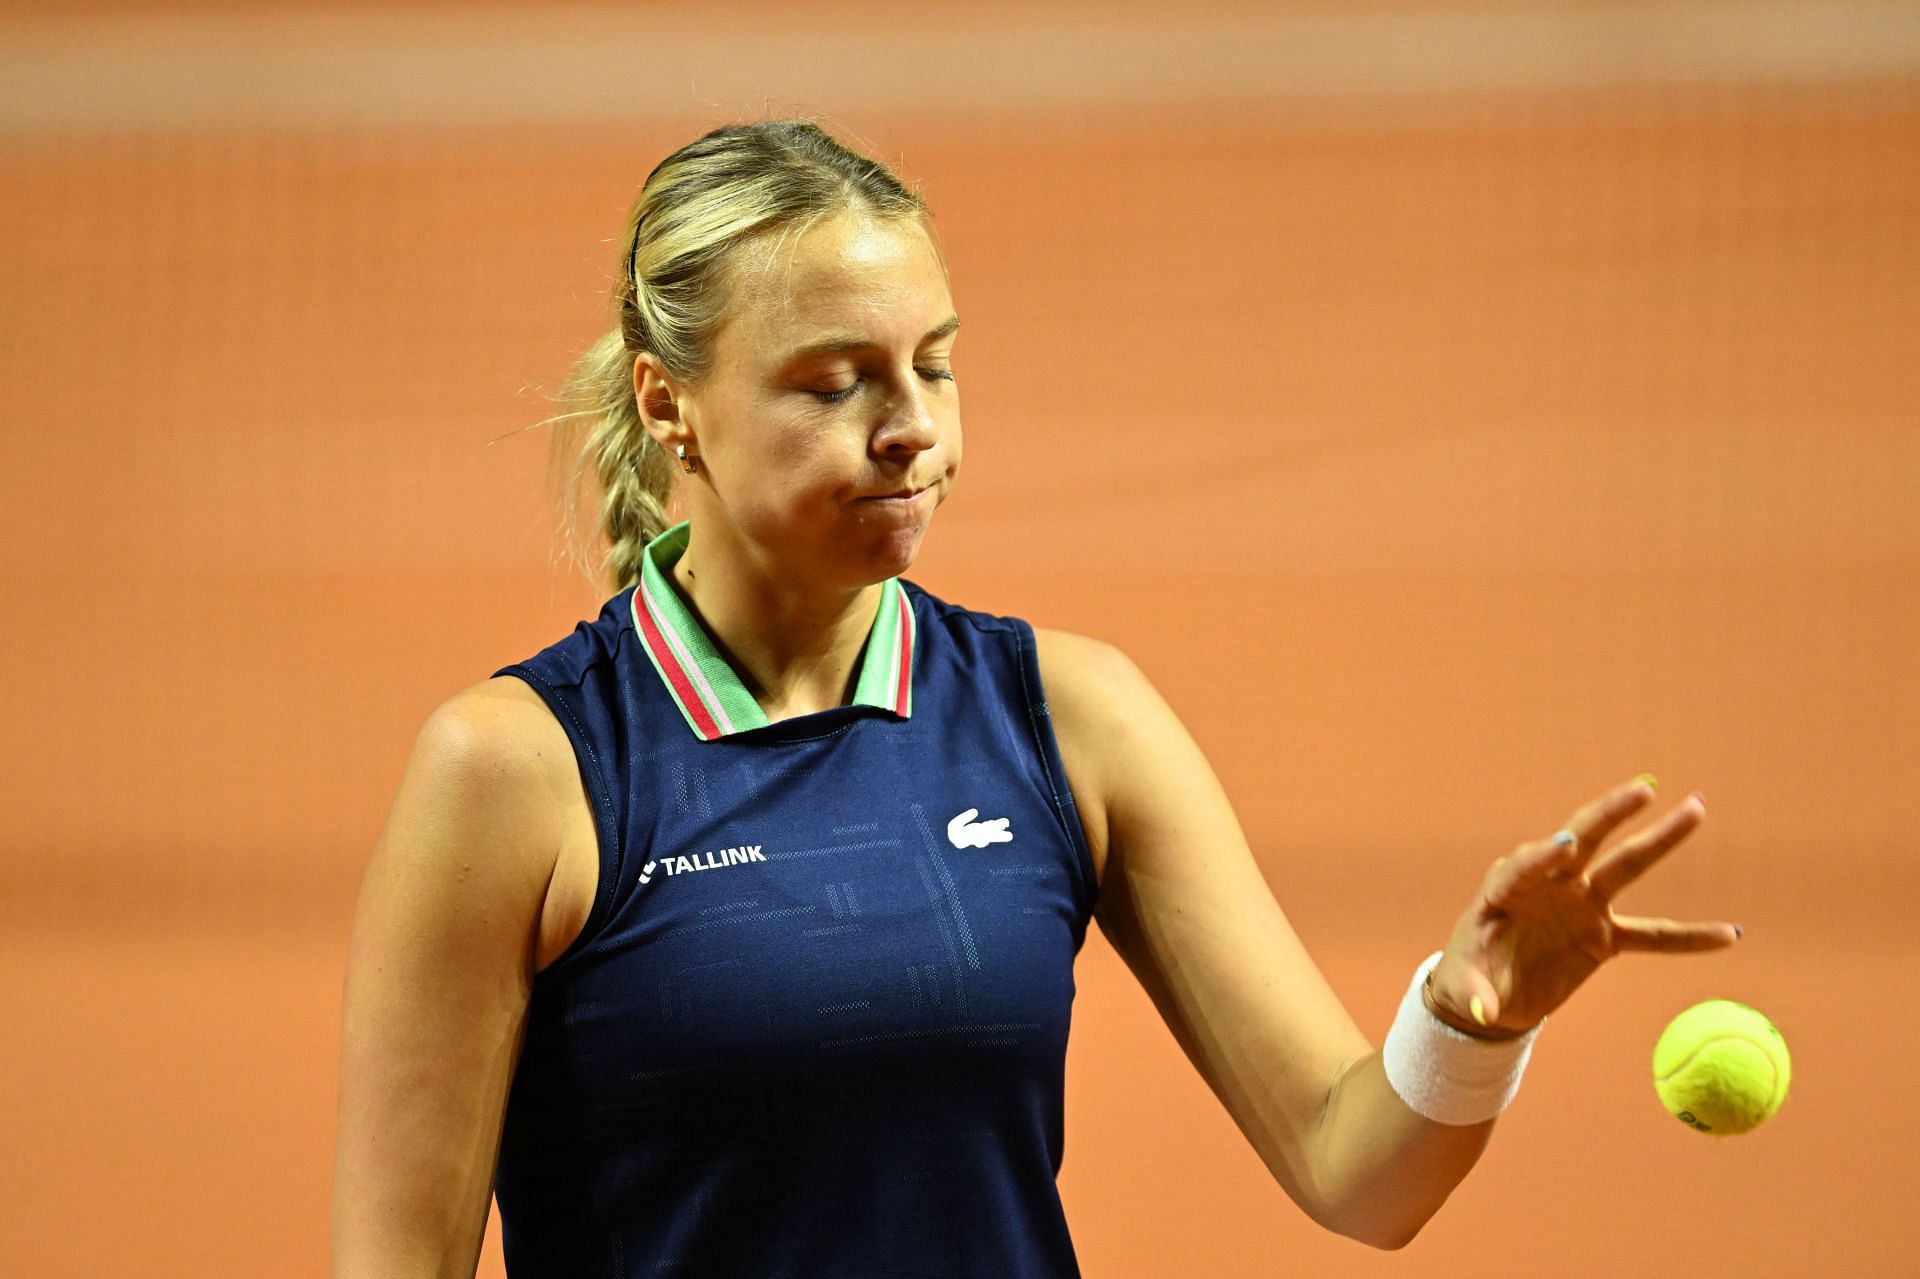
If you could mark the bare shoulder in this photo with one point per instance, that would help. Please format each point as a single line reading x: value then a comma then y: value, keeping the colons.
x: 503, y: 740
x: 501, y: 731
x: 485, y: 762
x: 492, y: 803
x: 1092, y: 688
x: 499, y: 723
x: 1066, y: 656
x: 1096, y: 697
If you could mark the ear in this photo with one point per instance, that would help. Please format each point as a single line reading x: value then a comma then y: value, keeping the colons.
x: 658, y: 398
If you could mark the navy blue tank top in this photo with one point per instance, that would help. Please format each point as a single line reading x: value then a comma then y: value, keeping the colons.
x: 816, y: 1022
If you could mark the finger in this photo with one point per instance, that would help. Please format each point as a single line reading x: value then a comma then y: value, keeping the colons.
x: 1668, y: 936
x: 1594, y: 822
x: 1612, y: 873
x: 1527, y: 867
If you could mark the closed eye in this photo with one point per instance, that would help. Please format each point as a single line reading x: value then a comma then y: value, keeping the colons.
x: 846, y: 393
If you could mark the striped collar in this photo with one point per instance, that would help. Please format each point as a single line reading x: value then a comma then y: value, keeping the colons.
x: 704, y: 686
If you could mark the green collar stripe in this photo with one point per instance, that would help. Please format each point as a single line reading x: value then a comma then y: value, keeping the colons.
x: 704, y: 685
x: 880, y: 666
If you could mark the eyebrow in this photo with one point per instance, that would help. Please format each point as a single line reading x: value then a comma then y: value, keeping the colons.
x: 839, y: 344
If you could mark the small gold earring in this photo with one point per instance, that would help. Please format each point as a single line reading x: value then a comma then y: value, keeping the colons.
x: 687, y: 464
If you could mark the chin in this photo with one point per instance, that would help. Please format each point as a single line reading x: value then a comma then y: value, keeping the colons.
x: 891, y: 552
x: 898, y: 552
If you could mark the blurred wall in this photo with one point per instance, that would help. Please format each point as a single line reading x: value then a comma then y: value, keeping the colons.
x: 1487, y: 405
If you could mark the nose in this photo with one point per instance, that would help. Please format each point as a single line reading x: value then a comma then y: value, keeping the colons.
x: 910, y: 426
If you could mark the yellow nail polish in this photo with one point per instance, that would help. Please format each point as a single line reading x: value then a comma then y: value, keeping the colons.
x: 1478, y: 1009
x: 1653, y: 783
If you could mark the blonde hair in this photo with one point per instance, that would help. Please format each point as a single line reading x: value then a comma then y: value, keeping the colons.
x: 734, y: 185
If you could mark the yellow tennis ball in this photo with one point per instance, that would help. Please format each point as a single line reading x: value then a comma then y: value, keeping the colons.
x: 1721, y: 1068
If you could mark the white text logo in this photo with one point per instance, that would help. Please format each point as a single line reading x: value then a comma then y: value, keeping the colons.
x: 704, y: 861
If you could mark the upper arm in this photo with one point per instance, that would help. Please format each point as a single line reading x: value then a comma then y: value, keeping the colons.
x: 1183, y: 902
x: 439, y: 972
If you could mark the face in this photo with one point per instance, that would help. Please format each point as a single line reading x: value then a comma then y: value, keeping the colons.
x: 828, y: 427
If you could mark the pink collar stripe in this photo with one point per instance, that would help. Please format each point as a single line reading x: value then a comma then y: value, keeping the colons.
x: 675, y: 675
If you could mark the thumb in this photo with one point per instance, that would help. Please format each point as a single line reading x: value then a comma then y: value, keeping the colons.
x: 1463, y: 991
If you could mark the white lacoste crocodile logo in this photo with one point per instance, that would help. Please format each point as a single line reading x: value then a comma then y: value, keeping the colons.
x: 964, y: 832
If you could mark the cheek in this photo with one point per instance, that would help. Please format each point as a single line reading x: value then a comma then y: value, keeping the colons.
x: 779, y: 461
x: 805, y: 455
x: 765, y: 439
x: 951, y: 441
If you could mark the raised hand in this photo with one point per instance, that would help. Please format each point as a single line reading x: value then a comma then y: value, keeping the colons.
x: 1544, y: 918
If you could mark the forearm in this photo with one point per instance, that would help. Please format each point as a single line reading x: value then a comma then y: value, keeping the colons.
x: 1381, y: 1170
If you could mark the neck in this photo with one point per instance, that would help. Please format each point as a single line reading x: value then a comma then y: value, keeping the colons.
x: 795, y: 644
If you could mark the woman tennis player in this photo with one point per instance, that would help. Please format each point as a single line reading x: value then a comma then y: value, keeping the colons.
x: 733, y: 934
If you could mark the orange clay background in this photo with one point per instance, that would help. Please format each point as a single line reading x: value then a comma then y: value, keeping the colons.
x: 1444, y: 463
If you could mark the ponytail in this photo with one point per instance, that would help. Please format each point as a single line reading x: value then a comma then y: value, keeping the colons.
x: 600, y: 435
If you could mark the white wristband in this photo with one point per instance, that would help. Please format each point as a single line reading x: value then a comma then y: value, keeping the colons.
x: 1444, y: 1074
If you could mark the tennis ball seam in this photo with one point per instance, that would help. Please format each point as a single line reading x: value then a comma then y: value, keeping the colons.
x: 1694, y: 1052
x: 1774, y: 1089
